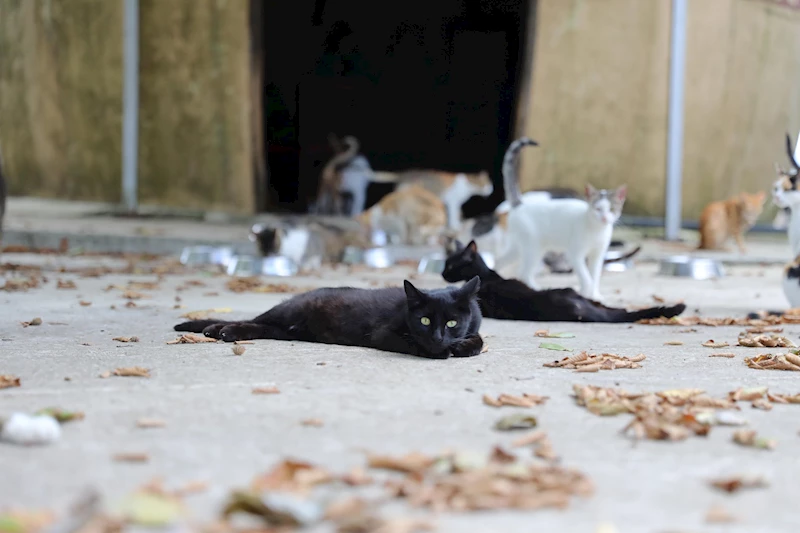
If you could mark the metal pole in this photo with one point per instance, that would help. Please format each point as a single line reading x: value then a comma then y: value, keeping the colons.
x: 130, y: 102
x: 677, y: 60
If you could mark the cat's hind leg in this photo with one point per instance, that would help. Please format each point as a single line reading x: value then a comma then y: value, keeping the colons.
x: 531, y: 263
x: 579, y: 265
x: 197, y: 326
x: 595, y: 260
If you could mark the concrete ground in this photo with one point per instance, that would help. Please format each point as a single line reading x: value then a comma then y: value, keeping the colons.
x: 219, y: 432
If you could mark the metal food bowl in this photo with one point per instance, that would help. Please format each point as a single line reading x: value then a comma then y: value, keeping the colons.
x: 617, y: 266
x: 352, y: 255
x: 206, y: 255
x: 691, y: 267
x: 274, y: 265
x: 378, y: 258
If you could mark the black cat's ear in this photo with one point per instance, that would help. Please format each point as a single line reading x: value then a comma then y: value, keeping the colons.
x: 413, y: 295
x: 470, y: 288
x: 472, y: 247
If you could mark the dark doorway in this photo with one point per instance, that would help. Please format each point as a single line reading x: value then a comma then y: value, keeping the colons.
x: 420, y: 84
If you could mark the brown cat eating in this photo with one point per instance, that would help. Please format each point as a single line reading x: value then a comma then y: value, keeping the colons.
x: 729, y: 218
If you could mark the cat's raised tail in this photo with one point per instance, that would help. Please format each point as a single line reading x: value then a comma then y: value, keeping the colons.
x: 790, y: 151
x: 510, y: 178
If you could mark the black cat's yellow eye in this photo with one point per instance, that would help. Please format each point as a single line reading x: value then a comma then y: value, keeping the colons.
x: 451, y: 323
x: 425, y: 321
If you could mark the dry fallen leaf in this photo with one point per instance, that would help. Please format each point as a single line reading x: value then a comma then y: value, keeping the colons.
x: 357, y: 477
x: 133, y: 295
x: 728, y: 355
x: 150, y: 423
x: 411, y: 462
x: 748, y: 437
x: 200, y: 315
x: 748, y: 394
x: 266, y: 390
x: 238, y: 349
x: 711, y: 343
x: 130, y: 371
x: 526, y: 400
x: 131, y: 457
x: 515, y: 422
x: 719, y: 515
x: 764, y: 341
x: 736, y: 483
x: 314, y: 422
x: 768, y: 361
x: 545, y: 333
x: 531, y: 438
x: 191, y: 338
x: 586, y: 362
x: 291, y: 476
x: 126, y: 339
x: 673, y: 343
x: 762, y: 403
x: 7, y: 381
x: 32, y: 322
x: 84, y: 303
x: 68, y: 284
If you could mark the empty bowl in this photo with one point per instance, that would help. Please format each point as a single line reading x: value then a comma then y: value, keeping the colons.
x: 433, y: 263
x: 617, y: 266
x: 244, y: 265
x: 691, y: 267
x: 378, y: 258
x: 278, y: 265
x: 206, y: 255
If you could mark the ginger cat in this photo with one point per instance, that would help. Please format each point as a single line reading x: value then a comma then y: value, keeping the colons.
x: 453, y: 188
x: 409, y: 215
x: 729, y: 218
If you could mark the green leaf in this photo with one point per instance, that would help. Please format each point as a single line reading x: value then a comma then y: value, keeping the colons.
x: 149, y: 509
x: 515, y: 421
x: 60, y: 414
x: 551, y: 346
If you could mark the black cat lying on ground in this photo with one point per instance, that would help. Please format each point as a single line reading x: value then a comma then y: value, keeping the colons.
x: 511, y: 299
x: 434, y: 324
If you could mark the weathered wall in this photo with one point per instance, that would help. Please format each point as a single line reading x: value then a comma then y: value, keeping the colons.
x: 599, y: 97
x: 61, y: 100
x: 60, y: 103
x: 194, y: 131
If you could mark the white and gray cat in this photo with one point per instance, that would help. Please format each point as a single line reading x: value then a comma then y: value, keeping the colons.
x: 581, y: 229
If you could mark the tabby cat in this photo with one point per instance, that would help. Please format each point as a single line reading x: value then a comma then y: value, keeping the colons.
x: 435, y: 324
x: 346, y: 174
x: 409, y: 215
x: 510, y: 299
x: 733, y: 217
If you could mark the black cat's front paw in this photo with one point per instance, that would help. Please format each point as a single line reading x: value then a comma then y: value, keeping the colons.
x: 239, y: 332
x: 213, y: 330
x: 469, y: 347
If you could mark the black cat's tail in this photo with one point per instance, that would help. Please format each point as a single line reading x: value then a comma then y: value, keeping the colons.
x: 652, y: 312
x: 510, y: 179
x: 197, y: 326
x: 623, y: 257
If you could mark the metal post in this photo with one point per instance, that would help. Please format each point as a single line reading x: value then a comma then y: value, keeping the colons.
x: 677, y: 60
x: 130, y: 103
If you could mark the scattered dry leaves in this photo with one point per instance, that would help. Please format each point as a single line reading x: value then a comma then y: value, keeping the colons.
x: 131, y: 457
x: 68, y: 284
x: 126, y: 339
x: 147, y: 423
x: 266, y: 390
x: 32, y: 322
x: 711, y: 343
x: 792, y: 316
x: 767, y: 361
x: 736, y: 483
x: 291, y: 476
x: 7, y: 381
x: 205, y: 313
x: 749, y: 437
x: 254, y: 284
x: 191, y: 338
x: 764, y: 340
x: 526, y: 400
x: 586, y: 362
x: 409, y: 463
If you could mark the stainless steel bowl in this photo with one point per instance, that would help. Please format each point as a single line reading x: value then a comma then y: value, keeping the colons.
x: 206, y: 255
x: 244, y: 265
x: 353, y: 255
x: 378, y: 258
x: 278, y: 265
x: 433, y: 263
x: 691, y: 267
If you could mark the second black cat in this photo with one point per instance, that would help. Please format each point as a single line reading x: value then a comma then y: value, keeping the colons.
x: 435, y: 324
x: 511, y: 299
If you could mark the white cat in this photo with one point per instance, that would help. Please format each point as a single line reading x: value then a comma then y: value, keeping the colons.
x: 581, y: 229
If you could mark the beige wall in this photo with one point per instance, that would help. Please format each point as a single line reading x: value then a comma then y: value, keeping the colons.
x: 61, y: 101
x: 598, y: 97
